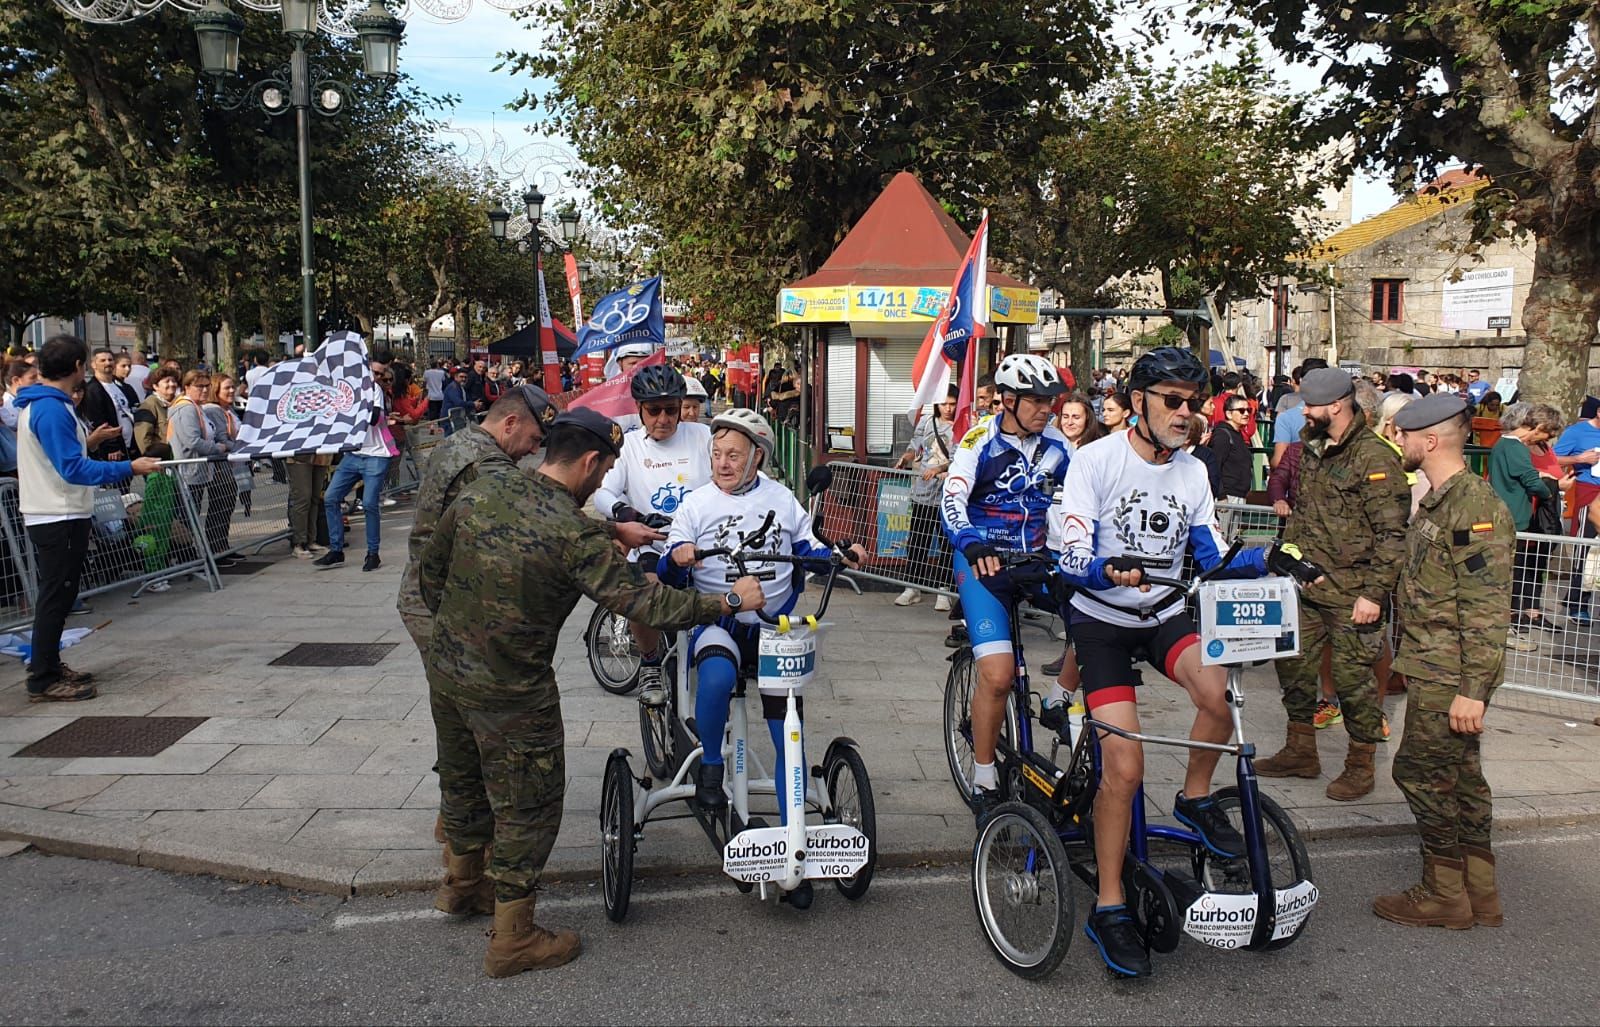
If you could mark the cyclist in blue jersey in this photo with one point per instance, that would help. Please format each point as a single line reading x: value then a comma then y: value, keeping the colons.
x: 997, y: 497
x: 1135, y: 502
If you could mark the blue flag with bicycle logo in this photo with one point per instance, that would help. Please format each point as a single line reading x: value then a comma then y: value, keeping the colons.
x: 633, y: 314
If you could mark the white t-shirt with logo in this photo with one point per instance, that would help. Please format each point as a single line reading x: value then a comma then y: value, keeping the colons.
x: 712, y: 519
x: 656, y: 477
x: 1115, y: 503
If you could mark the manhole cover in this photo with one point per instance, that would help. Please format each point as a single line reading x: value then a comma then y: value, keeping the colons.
x: 247, y: 567
x: 113, y: 736
x: 334, y: 654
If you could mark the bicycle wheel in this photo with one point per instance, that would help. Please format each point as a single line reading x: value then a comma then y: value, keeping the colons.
x: 613, y: 654
x: 616, y: 835
x: 1287, y: 861
x: 958, y: 722
x: 850, y: 797
x: 655, y: 732
x: 958, y: 686
x: 1022, y: 888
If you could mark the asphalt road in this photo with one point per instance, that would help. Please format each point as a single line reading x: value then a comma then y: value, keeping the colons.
x: 87, y: 942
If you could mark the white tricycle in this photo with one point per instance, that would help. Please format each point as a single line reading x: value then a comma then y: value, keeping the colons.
x: 830, y: 828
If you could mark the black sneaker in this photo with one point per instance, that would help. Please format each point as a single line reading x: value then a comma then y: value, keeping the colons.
x: 957, y: 638
x: 1053, y: 668
x: 1117, y: 937
x: 371, y: 563
x: 1053, y: 716
x: 708, y: 792
x: 332, y: 558
x: 984, y: 800
x: 1206, y: 818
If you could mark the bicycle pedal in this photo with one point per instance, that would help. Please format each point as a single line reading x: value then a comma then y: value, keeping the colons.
x: 816, y: 771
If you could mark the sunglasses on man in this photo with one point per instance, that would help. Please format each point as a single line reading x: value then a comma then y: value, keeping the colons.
x: 1173, y: 401
x: 660, y: 409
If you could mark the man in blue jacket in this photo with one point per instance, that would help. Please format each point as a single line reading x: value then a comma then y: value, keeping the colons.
x: 56, y: 483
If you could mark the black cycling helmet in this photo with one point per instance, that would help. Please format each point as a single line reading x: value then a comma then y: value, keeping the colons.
x: 657, y: 381
x: 1166, y: 364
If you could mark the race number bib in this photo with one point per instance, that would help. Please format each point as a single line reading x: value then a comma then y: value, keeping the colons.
x: 787, y: 660
x: 1246, y: 621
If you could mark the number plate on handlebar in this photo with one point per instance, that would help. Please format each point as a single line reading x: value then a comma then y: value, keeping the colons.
x: 1247, y: 621
x: 787, y: 661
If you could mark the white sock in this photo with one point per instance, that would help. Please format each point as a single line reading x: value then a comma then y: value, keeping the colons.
x: 1057, y: 696
x: 983, y: 776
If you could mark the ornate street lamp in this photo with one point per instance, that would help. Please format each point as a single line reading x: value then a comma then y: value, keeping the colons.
x: 498, y: 218
x: 298, y: 87
x: 533, y: 206
x: 218, y: 30
x: 569, y: 226
x: 379, y: 32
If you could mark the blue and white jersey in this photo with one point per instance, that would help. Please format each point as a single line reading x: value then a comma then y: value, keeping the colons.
x: 1116, y: 503
x: 655, y: 477
x: 1000, y: 486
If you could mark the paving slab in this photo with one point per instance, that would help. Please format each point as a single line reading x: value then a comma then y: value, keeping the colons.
x: 186, y: 792
x: 261, y: 730
x: 180, y: 758
x: 324, y: 758
x: 336, y: 791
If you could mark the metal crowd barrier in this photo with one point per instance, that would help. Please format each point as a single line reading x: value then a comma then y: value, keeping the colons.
x: 905, y: 541
x: 792, y: 458
x: 153, y: 531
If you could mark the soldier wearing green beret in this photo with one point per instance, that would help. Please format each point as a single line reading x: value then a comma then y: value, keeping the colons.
x: 1452, y: 599
x: 506, y: 564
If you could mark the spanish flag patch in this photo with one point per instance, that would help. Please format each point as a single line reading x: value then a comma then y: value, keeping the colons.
x: 1483, y: 526
x: 1380, y: 476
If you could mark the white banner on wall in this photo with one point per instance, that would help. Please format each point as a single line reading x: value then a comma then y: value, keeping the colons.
x: 1478, y: 297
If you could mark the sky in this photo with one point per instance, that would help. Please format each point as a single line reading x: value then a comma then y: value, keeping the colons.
x: 459, y: 58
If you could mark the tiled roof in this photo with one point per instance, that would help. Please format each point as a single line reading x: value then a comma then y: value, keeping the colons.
x: 1414, y: 211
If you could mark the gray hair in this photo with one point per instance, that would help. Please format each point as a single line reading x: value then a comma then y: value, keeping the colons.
x: 1514, y: 416
x: 1543, y: 416
x: 1367, y: 398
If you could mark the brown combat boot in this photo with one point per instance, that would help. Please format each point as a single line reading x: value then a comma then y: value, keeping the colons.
x: 517, y: 943
x: 465, y: 891
x: 1297, y: 758
x: 1439, y: 901
x: 1357, y: 779
x: 1481, y: 890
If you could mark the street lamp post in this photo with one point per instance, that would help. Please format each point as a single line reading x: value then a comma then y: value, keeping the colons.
x: 298, y: 87
x: 533, y: 207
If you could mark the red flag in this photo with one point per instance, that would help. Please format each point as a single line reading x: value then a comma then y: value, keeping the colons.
x: 614, y: 398
x: 962, y: 321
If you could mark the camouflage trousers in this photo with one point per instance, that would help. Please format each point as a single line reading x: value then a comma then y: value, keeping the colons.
x: 420, y: 629
x: 1440, y: 773
x: 502, y: 778
x: 1354, y: 655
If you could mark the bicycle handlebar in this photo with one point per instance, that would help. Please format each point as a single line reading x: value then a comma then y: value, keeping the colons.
x: 741, y: 556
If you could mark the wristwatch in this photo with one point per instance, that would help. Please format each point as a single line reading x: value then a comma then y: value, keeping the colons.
x: 733, y: 601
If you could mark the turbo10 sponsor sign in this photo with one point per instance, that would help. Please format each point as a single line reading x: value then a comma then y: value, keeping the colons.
x: 762, y: 854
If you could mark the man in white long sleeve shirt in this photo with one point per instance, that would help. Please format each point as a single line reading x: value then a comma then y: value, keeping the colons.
x: 660, y: 465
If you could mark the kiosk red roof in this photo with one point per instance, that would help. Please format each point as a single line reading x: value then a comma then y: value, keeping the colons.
x: 904, y: 238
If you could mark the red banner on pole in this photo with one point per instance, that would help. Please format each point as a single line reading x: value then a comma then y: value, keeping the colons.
x: 575, y: 288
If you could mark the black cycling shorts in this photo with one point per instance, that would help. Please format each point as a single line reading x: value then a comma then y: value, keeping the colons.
x: 1106, y: 653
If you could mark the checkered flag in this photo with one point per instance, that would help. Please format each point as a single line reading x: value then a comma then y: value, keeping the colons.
x: 321, y: 403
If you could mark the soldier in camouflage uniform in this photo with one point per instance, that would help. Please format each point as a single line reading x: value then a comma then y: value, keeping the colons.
x: 504, y: 568
x: 513, y: 428
x: 1350, y: 517
x: 1455, y: 618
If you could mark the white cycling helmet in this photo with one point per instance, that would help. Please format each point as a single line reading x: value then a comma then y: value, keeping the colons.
x: 634, y: 349
x: 1028, y: 375
x: 749, y: 423
x: 695, y: 389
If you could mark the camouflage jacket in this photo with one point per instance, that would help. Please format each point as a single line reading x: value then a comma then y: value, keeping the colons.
x: 503, y: 570
x: 1454, y: 586
x: 1350, y: 515
x: 454, y: 464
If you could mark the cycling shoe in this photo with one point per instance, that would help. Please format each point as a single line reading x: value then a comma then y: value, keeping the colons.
x: 984, y: 800
x: 1115, y: 934
x: 1053, y: 716
x: 1206, y: 818
x: 708, y: 791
